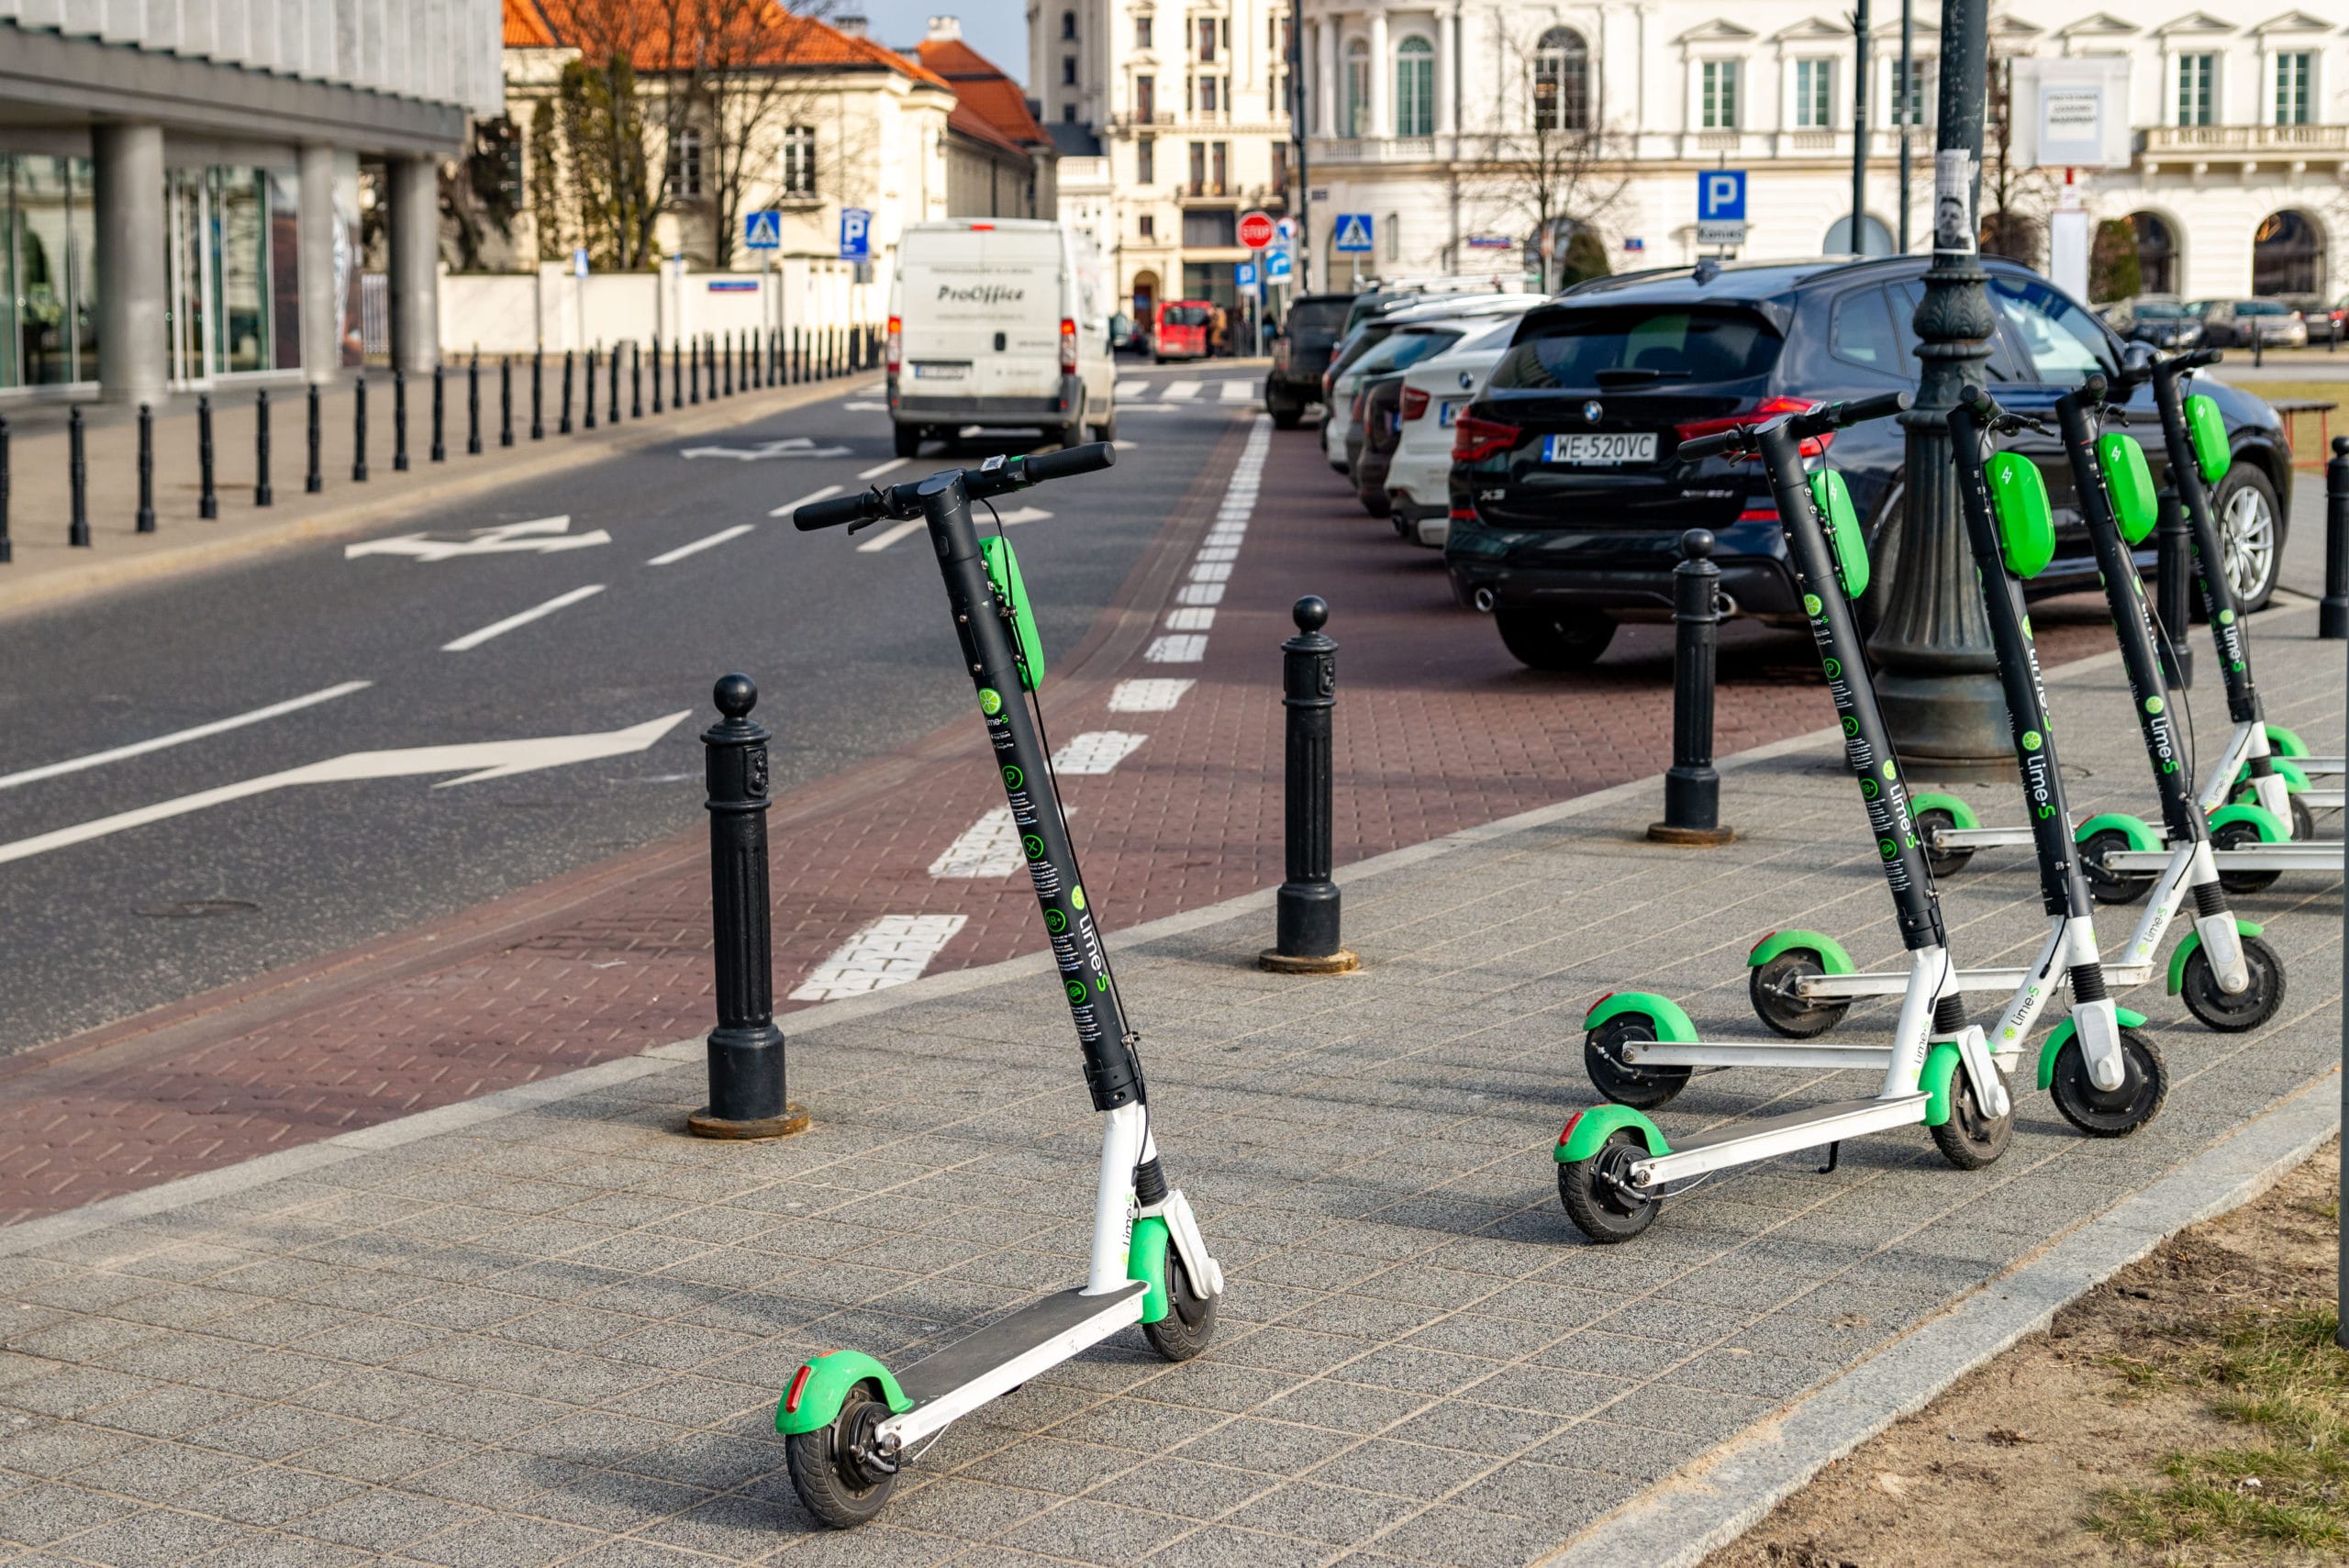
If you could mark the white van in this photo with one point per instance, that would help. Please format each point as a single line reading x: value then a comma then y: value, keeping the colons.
x: 992, y: 323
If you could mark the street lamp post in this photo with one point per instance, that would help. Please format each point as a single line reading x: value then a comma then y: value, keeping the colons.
x: 1939, y: 680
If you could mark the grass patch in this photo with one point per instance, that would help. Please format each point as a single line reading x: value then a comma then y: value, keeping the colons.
x: 2278, y: 1373
x: 2305, y: 428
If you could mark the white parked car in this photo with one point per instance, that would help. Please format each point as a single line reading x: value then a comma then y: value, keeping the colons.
x: 1419, y: 476
x: 1340, y: 435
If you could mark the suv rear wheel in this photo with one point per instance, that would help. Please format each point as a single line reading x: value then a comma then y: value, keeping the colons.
x: 1543, y: 639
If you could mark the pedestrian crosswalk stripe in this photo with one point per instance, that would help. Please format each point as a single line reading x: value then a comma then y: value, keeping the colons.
x: 1182, y: 391
x: 1097, y: 751
x: 890, y: 951
x: 1131, y: 387
x: 1176, y: 649
x: 1148, y: 695
x: 1239, y: 391
x: 1190, y: 620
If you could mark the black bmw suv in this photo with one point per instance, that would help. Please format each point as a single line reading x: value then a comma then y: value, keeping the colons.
x: 1567, y: 500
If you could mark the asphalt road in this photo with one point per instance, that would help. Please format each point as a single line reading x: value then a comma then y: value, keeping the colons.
x: 849, y: 645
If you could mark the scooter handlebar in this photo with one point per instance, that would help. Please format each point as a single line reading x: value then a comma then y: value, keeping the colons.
x: 996, y: 477
x: 831, y: 514
x: 1697, y: 448
x: 1066, y: 464
x: 1858, y: 411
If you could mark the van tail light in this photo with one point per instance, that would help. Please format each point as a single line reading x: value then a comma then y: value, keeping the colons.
x: 1761, y: 413
x: 896, y: 342
x: 1474, y: 439
x: 1068, y: 347
x: 1415, y: 403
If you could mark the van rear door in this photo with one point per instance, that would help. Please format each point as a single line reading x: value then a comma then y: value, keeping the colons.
x: 981, y: 312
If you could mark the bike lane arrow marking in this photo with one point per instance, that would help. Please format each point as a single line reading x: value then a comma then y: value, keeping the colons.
x: 789, y: 445
x: 540, y: 536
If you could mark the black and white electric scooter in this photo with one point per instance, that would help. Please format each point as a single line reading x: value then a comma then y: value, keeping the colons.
x: 850, y: 1421
x: 1614, y: 1162
x: 2104, y: 1074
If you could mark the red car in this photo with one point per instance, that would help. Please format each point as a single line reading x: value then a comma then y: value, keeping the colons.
x: 1183, y: 330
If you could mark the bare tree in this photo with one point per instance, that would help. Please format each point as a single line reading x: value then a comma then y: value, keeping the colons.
x: 742, y: 78
x: 1562, y: 173
x: 2016, y: 199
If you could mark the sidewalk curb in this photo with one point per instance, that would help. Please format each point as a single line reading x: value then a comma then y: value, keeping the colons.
x: 102, y: 577
x: 1679, y: 1521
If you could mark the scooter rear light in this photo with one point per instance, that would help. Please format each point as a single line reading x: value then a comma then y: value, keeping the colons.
x: 1761, y: 413
x: 1415, y: 403
x: 799, y: 1382
x: 1596, y: 1006
x: 1757, y: 946
x: 1568, y: 1131
x: 1068, y: 347
x: 896, y: 342
x: 1474, y: 439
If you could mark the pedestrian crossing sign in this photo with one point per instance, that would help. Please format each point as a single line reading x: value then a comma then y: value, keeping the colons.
x: 763, y: 231
x: 1353, y: 235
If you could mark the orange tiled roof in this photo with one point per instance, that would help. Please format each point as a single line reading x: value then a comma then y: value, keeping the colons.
x: 991, y: 106
x: 642, y: 28
x: 525, y: 27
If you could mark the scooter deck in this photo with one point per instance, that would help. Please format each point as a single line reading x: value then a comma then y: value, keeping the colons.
x: 1789, y: 1132
x: 951, y: 1382
x: 2326, y: 856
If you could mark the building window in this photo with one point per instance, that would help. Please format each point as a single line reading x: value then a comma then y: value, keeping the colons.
x: 1814, y: 86
x: 1415, y: 87
x: 1068, y: 114
x: 1207, y: 37
x: 48, y: 301
x: 685, y: 163
x: 1717, y: 90
x: 1146, y: 98
x: 1148, y: 226
x: 799, y: 161
x: 2197, y: 75
x: 1355, y: 121
x: 1068, y: 23
x: 1141, y: 32
x: 1146, y: 160
x: 1198, y: 167
x: 1562, y: 82
x: 1219, y: 167
x: 1211, y: 94
x: 1068, y: 71
x: 2295, y: 84
x: 1909, y: 95
x: 1280, y: 169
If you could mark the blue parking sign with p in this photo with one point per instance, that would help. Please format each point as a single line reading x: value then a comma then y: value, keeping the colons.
x: 856, y: 234
x: 1720, y: 195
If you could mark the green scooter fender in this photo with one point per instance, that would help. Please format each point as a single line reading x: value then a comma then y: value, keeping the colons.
x: 2062, y: 1032
x: 1961, y: 814
x: 1588, y: 1130
x: 1146, y: 1261
x: 2282, y: 742
x: 2140, y: 837
x: 2271, y: 831
x: 1943, y: 1064
x: 2295, y: 777
x: 1671, y: 1022
x: 2194, y: 940
x: 821, y: 1383
x: 1831, y: 956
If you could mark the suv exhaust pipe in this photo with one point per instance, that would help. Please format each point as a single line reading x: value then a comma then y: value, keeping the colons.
x: 1483, y: 599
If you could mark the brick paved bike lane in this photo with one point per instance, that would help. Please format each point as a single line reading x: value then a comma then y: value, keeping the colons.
x: 1438, y: 730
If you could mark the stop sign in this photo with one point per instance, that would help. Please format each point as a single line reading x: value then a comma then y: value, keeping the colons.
x: 1255, y: 230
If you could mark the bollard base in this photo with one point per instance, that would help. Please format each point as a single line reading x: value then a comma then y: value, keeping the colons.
x: 701, y: 1124
x: 1342, y: 961
x: 2332, y: 619
x: 1691, y: 838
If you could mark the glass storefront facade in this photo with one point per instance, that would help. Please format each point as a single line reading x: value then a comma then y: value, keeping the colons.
x: 48, y: 332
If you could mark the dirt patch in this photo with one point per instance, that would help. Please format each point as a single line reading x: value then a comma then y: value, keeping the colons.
x: 2187, y: 1411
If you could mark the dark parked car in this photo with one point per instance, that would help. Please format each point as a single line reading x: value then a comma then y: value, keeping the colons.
x: 2161, y: 319
x: 2232, y: 323
x: 1567, y: 501
x: 1301, y: 352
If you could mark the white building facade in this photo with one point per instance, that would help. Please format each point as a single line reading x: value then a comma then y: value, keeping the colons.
x: 1455, y: 126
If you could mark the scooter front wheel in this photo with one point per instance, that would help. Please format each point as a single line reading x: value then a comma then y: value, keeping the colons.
x: 1189, y: 1322
x: 2240, y: 836
x: 2107, y: 885
x: 1970, y: 1138
x: 2246, y: 1010
x: 837, y: 1469
x: 1932, y: 823
x: 1599, y: 1195
x: 2303, y: 820
x: 1777, y: 1002
x: 1641, y: 1088
x: 2119, y: 1111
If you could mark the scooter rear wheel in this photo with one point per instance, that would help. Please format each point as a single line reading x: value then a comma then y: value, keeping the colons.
x: 2240, y: 836
x: 2253, y: 1005
x: 1776, y: 1002
x: 833, y: 1468
x: 2119, y: 1111
x: 1595, y: 1190
x: 2106, y: 886
x: 1641, y: 1088
x: 1189, y: 1322
x: 1933, y: 819
x: 2303, y: 820
x: 1970, y: 1139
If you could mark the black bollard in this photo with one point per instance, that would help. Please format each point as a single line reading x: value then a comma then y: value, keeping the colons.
x: 562, y: 426
x: 313, y: 481
x: 7, y: 545
x: 1692, y: 790
x: 614, y: 377
x: 1305, y: 939
x: 693, y: 377
x: 589, y: 423
x: 2332, y: 610
x: 656, y: 375
x: 792, y: 366
x: 636, y: 380
x: 472, y: 404
x: 730, y: 365
x: 2173, y: 572
x: 747, y: 1097
x: 145, y: 523
x: 207, y: 500
x: 263, y: 495
x: 2259, y: 345
x: 676, y: 374
x: 399, y: 420
x: 440, y: 450
x: 538, y: 388
x: 359, y: 429
x: 77, y: 526
x: 504, y: 400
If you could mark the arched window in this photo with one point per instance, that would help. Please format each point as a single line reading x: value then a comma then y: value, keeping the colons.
x: 1357, y: 117
x: 1415, y: 87
x: 1562, y: 82
x: 2287, y: 254
x: 2156, y: 253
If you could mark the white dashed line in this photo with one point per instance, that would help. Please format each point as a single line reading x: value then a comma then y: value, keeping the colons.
x: 199, y: 732
x: 1175, y: 650
x: 891, y: 535
x: 1149, y: 696
x: 1097, y: 751
x: 671, y: 557
x: 989, y: 847
x: 1199, y: 594
x: 1189, y: 620
x: 891, y: 466
x: 500, y: 627
x: 826, y: 493
x: 892, y: 950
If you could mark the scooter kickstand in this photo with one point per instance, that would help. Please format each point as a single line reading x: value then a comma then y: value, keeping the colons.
x: 1834, y: 1158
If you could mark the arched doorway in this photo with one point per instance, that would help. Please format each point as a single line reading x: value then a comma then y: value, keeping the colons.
x: 2287, y: 254
x: 1874, y: 234
x: 1145, y: 300
x: 2156, y: 253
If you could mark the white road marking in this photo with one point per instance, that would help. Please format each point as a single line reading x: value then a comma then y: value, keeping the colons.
x: 1176, y: 649
x: 892, y: 534
x: 1189, y: 620
x: 1211, y: 572
x: 892, y: 950
x: 540, y: 535
x: 1149, y: 696
x: 1183, y: 391
x: 1096, y: 750
x: 1217, y: 553
x: 1199, y: 594
x: 864, y: 407
x: 989, y: 847
x: 891, y: 466
x: 476, y: 761
x: 670, y: 558
x: 473, y: 639
x: 1239, y: 391
x: 826, y: 493
x: 787, y: 446
x: 1131, y: 387
x: 181, y: 737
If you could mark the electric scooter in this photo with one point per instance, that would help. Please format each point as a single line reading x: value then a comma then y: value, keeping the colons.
x: 850, y: 1421
x: 2107, y: 1077
x: 1613, y: 1160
